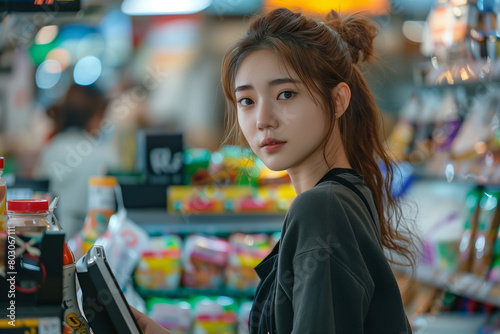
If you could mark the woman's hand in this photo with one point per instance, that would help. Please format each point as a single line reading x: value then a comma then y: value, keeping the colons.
x: 148, y: 325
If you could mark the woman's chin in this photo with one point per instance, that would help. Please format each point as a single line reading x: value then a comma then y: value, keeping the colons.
x: 275, y: 166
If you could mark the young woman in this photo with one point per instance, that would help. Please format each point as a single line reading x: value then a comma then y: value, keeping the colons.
x: 298, y: 99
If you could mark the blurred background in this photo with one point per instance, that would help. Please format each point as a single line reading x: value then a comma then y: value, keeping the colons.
x: 159, y: 65
x: 116, y: 106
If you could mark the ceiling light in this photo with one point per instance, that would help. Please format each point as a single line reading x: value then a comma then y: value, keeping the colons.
x: 163, y: 7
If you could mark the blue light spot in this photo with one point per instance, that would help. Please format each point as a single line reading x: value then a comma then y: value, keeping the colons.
x: 87, y: 70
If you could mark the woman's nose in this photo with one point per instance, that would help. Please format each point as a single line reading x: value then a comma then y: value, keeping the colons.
x: 266, y: 117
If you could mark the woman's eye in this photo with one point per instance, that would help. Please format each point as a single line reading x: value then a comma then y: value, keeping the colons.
x: 245, y: 102
x: 286, y: 95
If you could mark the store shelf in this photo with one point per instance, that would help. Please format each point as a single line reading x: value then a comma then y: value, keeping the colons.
x: 183, y: 292
x: 466, y: 285
x: 468, y: 173
x: 157, y: 222
x: 466, y: 74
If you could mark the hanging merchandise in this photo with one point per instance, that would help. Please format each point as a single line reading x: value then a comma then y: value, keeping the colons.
x: 489, y: 219
x: 492, y: 249
x: 478, y: 135
x: 440, y: 245
x: 448, y: 120
x: 420, y: 149
x: 448, y: 26
x: 496, y: 10
x: 3, y: 197
x: 468, y: 238
x: 404, y: 131
x: 475, y: 40
x: 482, y: 30
x: 124, y: 241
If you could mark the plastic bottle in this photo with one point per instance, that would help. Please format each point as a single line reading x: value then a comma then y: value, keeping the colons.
x: 28, y: 216
x: 101, y: 206
x: 3, y: 197
x: 73, y: 319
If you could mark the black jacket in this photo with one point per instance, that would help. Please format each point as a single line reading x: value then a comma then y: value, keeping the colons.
x: 328, y: 272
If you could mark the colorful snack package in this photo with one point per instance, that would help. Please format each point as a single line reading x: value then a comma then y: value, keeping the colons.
x: 234, y: 165
x: 196, y: 163
x: 203, y: 261
x: 215, y: 315
x: 173, y: 314
x: 159, y: 267
x: 247, y: 251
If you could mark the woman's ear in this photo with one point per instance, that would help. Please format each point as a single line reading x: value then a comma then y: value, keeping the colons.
x: 342, y: 95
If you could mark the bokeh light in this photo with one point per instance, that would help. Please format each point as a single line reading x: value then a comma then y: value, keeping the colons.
x: 87, y: 70
x: 48, y: 74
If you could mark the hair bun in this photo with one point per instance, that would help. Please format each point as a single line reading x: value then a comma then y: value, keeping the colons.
x: 357, y: 31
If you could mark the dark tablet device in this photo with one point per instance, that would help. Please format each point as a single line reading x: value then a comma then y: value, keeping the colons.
x: 104, y: 304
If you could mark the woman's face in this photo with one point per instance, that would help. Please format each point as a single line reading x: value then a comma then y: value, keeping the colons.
x: 278, y: 117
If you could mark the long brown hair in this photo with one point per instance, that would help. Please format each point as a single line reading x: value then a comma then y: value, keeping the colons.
x: 77, y: 107
x: 324, y: 54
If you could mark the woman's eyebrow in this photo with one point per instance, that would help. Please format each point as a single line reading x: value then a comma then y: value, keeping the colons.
x: 243, y: 87
x: 274, y: 82
x: 281, y: 81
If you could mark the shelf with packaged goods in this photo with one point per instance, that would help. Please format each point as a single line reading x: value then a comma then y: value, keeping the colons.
x: 185, y: 292
x: 462, y: 284
x: 158, y: 222
x: 467, y: 173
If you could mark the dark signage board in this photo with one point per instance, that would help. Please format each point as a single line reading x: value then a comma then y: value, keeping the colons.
x: 160, y: 157
x: 53, y: 6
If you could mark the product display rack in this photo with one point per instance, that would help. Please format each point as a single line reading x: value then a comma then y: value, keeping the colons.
x: 467, y: 74
x: 463, y: 284
x: 471, y: 82
x: 160, y: 222
x: 184, y: 292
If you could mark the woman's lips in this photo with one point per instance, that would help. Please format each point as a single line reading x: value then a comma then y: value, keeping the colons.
x: 273, y: 147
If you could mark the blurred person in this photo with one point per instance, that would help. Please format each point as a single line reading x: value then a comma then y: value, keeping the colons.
x: 78, y: 149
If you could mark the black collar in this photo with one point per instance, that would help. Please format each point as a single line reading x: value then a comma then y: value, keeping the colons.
x: 337, y: 171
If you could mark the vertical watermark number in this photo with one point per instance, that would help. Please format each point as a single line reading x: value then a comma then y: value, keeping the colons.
x: 11, y: 275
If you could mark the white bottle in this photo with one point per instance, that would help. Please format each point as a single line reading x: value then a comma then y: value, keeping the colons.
x: 73, y: 318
